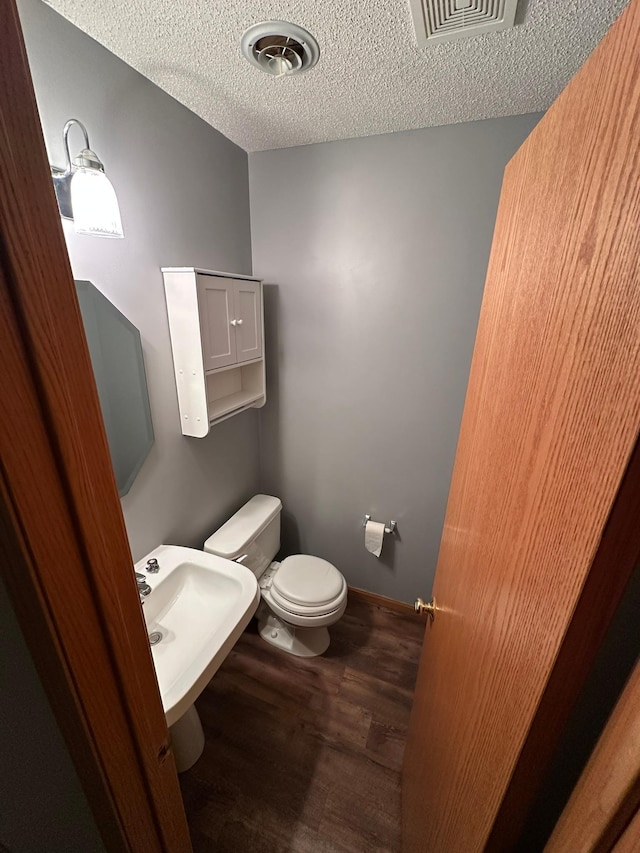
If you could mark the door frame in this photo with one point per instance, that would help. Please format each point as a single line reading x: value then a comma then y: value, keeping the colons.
x: 606, y: 799
x: 66, y: 558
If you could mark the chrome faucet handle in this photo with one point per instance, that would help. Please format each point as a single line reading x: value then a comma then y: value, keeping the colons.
x: 153, y: 566
x: 143, y: 586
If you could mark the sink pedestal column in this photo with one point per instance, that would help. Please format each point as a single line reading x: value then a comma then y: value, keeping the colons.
x: 187, y: 739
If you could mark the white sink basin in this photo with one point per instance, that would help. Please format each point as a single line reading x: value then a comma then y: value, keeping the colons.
x: 200, y: 603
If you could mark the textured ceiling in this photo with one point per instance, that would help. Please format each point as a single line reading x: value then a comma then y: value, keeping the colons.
x: 371, y: 78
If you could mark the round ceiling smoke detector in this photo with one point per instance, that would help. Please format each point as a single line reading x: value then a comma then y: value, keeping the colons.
x: 280, y: 48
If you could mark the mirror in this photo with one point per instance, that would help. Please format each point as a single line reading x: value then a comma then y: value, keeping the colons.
x: 116, y: 355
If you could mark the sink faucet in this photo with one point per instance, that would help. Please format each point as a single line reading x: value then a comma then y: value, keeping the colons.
x: 143, y: 586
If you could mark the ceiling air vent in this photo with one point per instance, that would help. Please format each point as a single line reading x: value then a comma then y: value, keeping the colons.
x: 447, y: 20
x: 280, y: 48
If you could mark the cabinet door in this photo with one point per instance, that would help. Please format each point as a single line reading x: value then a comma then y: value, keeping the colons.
x: 248, y: 319
x: 217, y: 321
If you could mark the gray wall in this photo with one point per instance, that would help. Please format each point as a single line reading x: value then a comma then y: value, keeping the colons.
x: 183, y: 191
x: 42, y: 806
x: 184, y: 199
x: 377, y: 251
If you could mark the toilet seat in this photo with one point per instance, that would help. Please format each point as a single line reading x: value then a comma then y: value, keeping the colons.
x: 303, y: 582
x: 309, y: 592
x: 322, y: 617
x: 302, y: 611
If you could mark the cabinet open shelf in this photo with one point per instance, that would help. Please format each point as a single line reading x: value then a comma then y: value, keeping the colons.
x: 217, y: 409
x: 231, y: 389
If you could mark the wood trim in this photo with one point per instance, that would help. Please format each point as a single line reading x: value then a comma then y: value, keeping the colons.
x: 607, y: 795
x: 388, y: 603
x: 629, y: 841
x: 67, y: 562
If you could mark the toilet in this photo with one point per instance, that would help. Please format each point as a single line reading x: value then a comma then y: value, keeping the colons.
x: 300, y: 597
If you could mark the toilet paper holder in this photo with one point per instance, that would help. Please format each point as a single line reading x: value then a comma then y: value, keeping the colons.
x: 388, y: 528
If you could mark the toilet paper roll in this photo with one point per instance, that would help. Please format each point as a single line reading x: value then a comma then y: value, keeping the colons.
x: 373, y: 537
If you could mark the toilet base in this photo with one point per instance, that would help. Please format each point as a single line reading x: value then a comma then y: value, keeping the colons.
x: 303, y: 642
x: 187, y: 739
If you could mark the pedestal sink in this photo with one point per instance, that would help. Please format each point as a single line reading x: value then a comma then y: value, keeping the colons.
x: 198, y: 606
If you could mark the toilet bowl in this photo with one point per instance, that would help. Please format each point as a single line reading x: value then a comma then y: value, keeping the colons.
x: 300, y: 597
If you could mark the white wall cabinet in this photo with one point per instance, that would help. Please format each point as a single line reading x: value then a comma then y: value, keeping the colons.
x: 230, y: 313
x: 216, y: 325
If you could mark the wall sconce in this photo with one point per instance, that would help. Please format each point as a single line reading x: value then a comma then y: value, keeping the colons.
x: 85, y: 194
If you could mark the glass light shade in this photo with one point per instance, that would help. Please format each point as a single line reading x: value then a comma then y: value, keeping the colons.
x: 94, y: 204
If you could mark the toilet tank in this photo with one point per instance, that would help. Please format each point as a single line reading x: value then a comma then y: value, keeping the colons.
x: 254, y: 530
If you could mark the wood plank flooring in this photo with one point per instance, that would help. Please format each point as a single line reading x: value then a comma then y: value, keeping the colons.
x: 304, y: 755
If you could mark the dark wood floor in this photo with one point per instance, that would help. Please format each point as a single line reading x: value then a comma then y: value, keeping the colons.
x: 301, y: 754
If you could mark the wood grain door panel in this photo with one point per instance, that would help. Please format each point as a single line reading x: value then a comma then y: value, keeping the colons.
x: 550, y: 424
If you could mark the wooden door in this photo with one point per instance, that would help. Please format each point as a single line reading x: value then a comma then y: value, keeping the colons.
x: 248, y: 316
x: 541, y: 531
x: 217, y: 321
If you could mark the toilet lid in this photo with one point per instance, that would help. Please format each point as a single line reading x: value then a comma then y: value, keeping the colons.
x: 302, y: 579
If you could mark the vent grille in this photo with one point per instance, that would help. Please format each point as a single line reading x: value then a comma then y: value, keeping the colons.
x: 446, y: 20
x: 280, y: 48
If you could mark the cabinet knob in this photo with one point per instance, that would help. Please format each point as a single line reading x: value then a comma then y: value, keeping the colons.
x: 234, y: 322
x: 239, y: 322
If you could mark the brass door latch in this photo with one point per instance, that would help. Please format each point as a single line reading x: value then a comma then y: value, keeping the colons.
x: 430, y: 608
